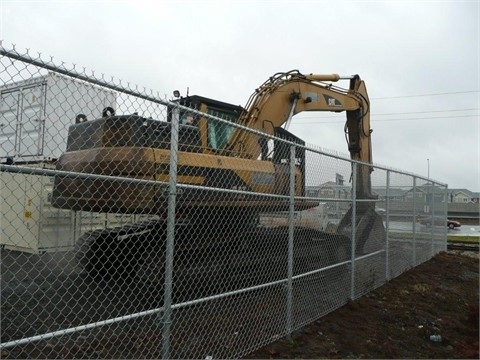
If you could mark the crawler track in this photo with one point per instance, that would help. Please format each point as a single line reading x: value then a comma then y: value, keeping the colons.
x: 206, y: 262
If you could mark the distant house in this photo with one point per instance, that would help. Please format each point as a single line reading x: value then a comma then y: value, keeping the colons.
x: 332, y: 190
x: 424, y: 193
x: 463, y: 196
x: 476, y: 198
x: 394, y: 194
x: 329, y: 190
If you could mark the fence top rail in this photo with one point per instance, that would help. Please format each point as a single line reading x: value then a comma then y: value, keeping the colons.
x: 73, y: 73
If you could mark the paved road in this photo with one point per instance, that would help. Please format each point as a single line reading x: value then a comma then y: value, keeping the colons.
x: 404, y: 226
x: 470, y: 230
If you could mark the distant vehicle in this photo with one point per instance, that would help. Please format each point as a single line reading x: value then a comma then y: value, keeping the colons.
x: 452, y: 224
x: 381, y: 211
x: 438, y: 221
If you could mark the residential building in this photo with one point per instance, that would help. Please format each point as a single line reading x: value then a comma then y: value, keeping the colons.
x: 463, y: 196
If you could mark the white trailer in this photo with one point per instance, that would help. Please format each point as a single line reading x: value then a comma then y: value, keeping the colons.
x: 29, y: 223
x: 35, y: 115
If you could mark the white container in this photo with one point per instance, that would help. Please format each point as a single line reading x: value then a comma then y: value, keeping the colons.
x: 29, y: 223
x: 35, y: 115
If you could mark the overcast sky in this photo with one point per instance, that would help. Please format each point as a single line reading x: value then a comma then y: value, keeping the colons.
x: 420, y: 61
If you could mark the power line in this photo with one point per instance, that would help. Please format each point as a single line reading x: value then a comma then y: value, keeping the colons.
x: 421, y: 95
x: 426, y: 112
x: 396, y: 113
x: 425, y: 118
x: 386, y: 120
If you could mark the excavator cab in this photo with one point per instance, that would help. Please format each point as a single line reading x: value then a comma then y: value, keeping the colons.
x: 214, y: 134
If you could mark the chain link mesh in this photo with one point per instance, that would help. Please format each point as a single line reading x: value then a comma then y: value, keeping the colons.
x: 133, y: 226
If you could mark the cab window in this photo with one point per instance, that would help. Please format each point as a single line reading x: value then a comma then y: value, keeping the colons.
x: 219, y: 133
x: 187, y: 118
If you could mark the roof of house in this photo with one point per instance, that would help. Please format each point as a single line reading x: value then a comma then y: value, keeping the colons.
x: 465, y: 191
x: 427, y: 188
x: 330, y: 184
x: 382, y: 191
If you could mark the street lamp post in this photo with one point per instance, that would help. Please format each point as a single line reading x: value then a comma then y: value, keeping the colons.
x: 428, y: 167
x: 427, y: 205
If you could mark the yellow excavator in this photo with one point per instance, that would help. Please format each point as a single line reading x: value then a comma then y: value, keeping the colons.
x: 252, y: 167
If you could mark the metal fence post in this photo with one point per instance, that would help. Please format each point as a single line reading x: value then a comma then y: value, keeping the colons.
x: 414, y: 224
x: 387, y: 244
x: 445, y: 211
x: 354, y: 227
x: 432, y: 201
x: 291, y: 225
x: 172, y: 194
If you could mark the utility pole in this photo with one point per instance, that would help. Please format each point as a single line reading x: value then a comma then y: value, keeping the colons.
x: 428, y: 168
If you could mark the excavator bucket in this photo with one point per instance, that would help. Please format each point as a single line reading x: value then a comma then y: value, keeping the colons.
x: 370, y: 233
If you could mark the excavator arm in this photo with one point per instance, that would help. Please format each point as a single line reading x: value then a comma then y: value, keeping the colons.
x: 285, y: 94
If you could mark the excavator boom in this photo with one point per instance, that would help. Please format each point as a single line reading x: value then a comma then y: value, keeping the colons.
x: 286, y: 94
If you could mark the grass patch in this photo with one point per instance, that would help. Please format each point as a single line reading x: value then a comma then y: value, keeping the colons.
x: 474, y: 239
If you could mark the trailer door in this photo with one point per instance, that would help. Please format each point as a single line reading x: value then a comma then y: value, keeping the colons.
x: 22, y: 112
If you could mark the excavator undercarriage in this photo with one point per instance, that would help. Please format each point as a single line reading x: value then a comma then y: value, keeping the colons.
x: 207, y: 263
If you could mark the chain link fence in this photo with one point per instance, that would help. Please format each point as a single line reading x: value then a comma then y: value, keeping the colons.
x: 132, y: 226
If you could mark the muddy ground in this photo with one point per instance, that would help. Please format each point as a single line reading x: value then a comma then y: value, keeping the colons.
x: 439, y: 297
